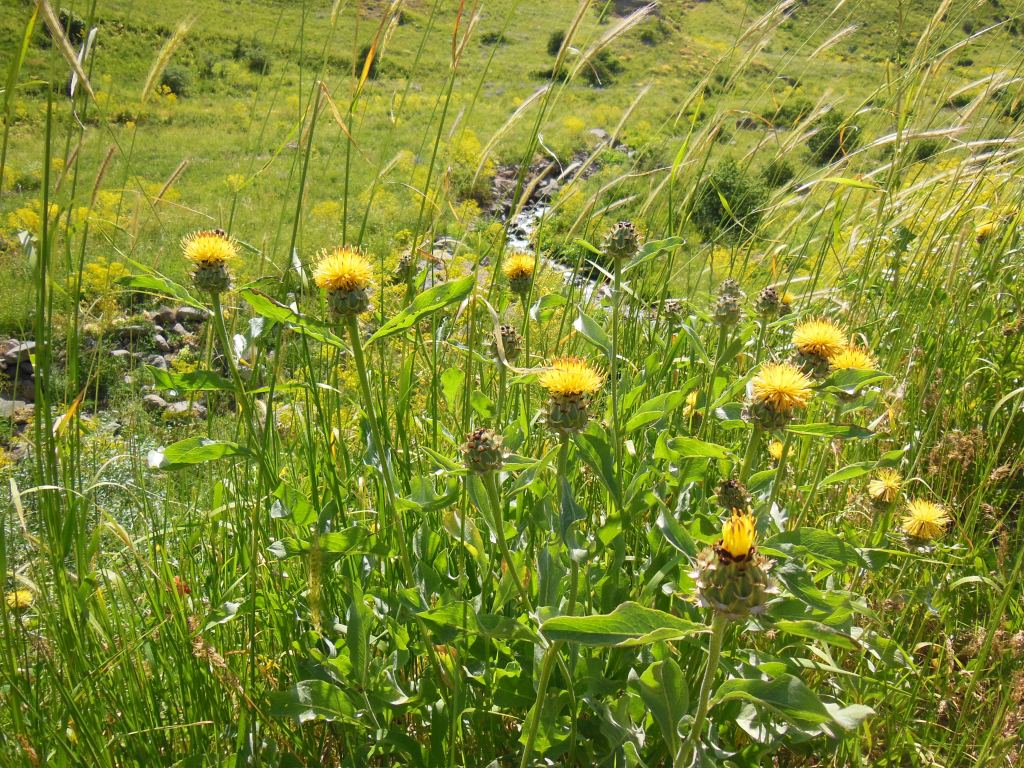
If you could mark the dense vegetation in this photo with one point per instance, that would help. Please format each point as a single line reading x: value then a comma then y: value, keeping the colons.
x: 510, y: 384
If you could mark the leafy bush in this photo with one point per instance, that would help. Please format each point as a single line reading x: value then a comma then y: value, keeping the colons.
x: 778, y: 172
x: 729, y: 202
x: 835, y: 136
x: 790, y: 112
x: 555, y: 40
x: 925, y: 150
x: 177, y: 80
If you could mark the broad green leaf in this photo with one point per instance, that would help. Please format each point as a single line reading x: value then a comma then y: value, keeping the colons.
x: 820, y: 545
x: 654, y: 409
x: 594, y: 450
x: 192, y: 381
x: 652, y: 249
x: 307, y: 326
x: 676, y: 448
x: 629, y: 624
x: 847, y: 473
x: 851, y: 381
x: 160, y: 286
x: 593, y: 333
x: 842, y: 431
x: 676, y: 535
x: 814, y: 630
x: 544, y: 308
x: 334, y: 544
x: 662, y: 687
x: 195, y: 450
x: 787, y: 695
x: 461, y: 617
x: 425, y: 304
x: 313, y: 700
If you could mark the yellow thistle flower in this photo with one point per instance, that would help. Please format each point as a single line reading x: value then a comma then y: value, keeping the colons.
x: 924, y: 520
x: 519, y: 266
x: 985, y: 230
x: 739, y: 534
x: 782, y: 386
x: 787, y: 299
x: 343, y: 269
x: 775, y: 450
x: 209, y: 248
x: 853, y: 358
x: 819, y: 337
x: 19, y: 600
x: 571, y: 376
x: 690, y: 405
x: 885, y: 486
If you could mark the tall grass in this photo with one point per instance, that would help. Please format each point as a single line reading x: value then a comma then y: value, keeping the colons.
x: 310, y: 575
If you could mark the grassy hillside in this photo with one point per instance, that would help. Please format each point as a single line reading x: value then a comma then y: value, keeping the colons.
x: 321, y: 487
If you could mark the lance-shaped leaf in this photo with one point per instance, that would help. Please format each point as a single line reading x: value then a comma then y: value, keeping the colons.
x: 629, y: 624
x: 425, y: 304
x: 195, y: 450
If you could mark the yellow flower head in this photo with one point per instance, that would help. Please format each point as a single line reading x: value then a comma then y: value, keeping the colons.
x: 343, y: 269
x: 209, y: 248
x: 924, y: 519
x: 853, y: 358
x: 690, y: 405
x: 775, y: 450
x: 819, y: 337
x: 782, y: 386
x: 739, y: 534
x: 572, y: 376
x: 787, y: 299
x: 19, y: 600
x: 885, y: 486
x: 519, y: 266
x: 985, y: 230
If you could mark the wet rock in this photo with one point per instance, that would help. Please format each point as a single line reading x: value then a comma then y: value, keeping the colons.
x: 161, y: 344
x: 154, y: 403
x: 184, y: 409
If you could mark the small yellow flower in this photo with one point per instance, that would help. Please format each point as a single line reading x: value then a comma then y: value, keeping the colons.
x: 343, y: 269
x: 739, y: 534
x: 819, y: 337
x: 519, y: 266
x: 571, y: 376
x: 19, y: 600
x: 690, y: 405
x: 787, y: 299
x: 209, y: 248
x: 782, y: 386
x: 985, y: 230
x: 775, y: 450
x: 924, y: 520
x: 885, y: 486
x: 853, y: 358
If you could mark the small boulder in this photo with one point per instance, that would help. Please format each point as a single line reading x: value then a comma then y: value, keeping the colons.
x: 184, y: 409
x: 154, y: 403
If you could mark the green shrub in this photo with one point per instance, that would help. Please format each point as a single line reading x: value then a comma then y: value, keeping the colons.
x: 925, y: 149
x: 744, y: 197
x: 555, y: 40
x: 778, y: 172
x: 177, y: 80
x: 790, y: 112
x: 834, y: 137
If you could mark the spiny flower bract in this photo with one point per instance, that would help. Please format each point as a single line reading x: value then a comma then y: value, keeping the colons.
x: 924, y: 520
x: 209, y: 248
x: 819, y: 337
x: 571, y: 376
x: 782, y: 386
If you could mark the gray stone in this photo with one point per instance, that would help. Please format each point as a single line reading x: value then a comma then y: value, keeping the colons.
x: 17, y: 410
x: 183, y: 409
x: 179, y: 329
x: 13, y: 355
x: 121, y: 354
x: 166, y: 316
x: 154, y: 403
x: 161, y: 344
x: 157, y: 361
x: 191, y: 315
x: 132, y: 332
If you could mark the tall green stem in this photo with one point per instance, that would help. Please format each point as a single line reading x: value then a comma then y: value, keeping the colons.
x: 685, y: 753
x: 546, y: 665
x: 723, y: 337
x: 616, y: 301
x: 352, y: 325
x: 491, y: 484
x: 748, y: 456
x: 781, y: 471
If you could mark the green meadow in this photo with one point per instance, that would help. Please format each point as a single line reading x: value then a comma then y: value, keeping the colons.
x: 511, y: 383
